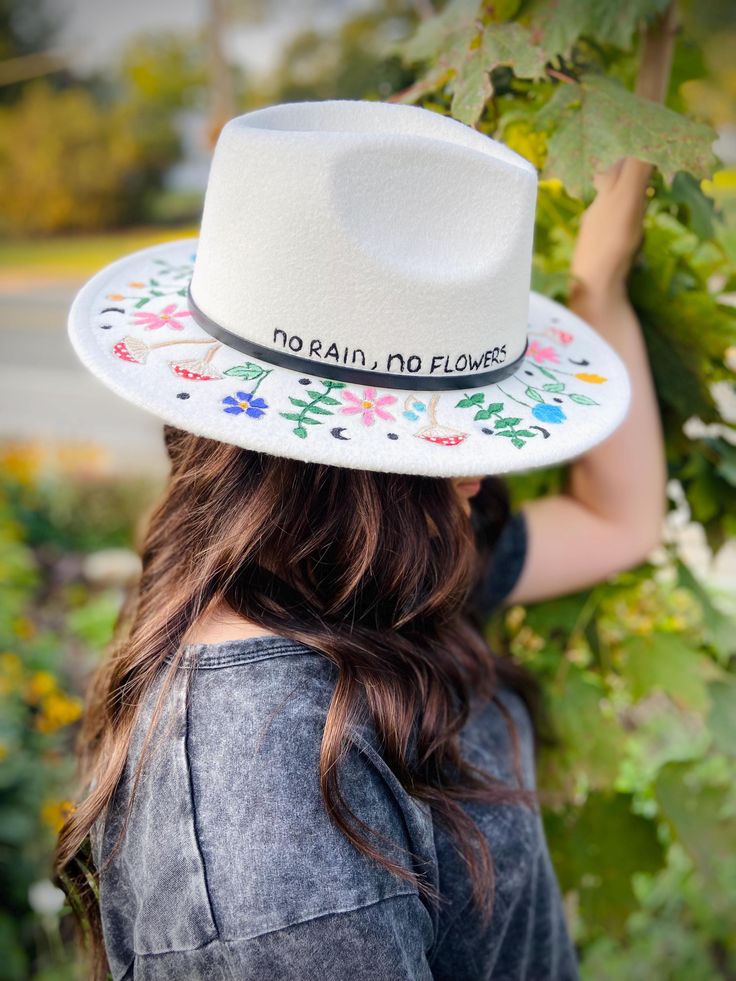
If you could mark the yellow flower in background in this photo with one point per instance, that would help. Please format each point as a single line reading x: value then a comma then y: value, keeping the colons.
x: 11, y: 672
x: 57, y: 710
x: 521, y: 137
x: 723, y: 184
x: 21, y: 461
x: 24, y: 627
x: 552, y: 185
x: 40, y: 683
x: 591, y: 379
x: 55, y: 812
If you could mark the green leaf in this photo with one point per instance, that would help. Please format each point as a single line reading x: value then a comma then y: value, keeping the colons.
x: 557, y: 26
x: 546, y: 371
x: 311, y: 422
x: 532, y: 393
x: 696, y: 814
x: 526, y: 433
x: 300, y: 431
x: 666, y: 662
x: 295, y: 416
x: 483, y: 414
x: 592, y: 743
x: 597, y: 121
x: 596, y: 850
x: 299, y: 402
x: 495, y: 407
x: 470, y: 400
x: 328, y: 400
x: 320, y: 411
x: 554, y: 387
x: 464, y: 48
x: 509, y: 421
x: 581, y: 399
x: 722, y: 717
x: 247, y: 370
x: 518, y: 442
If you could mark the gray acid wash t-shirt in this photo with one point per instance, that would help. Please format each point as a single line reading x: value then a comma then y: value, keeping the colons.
x: 231, y: 869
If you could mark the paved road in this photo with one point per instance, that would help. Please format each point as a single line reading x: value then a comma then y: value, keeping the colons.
x: 47, y: 394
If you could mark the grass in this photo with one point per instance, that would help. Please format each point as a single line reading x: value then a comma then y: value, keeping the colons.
x: 76, y: 256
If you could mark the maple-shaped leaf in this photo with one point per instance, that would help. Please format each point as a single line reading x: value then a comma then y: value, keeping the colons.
x: 557, y: 25
x: 465, y: 46
x: 497, y: 44
x: 596, y: 121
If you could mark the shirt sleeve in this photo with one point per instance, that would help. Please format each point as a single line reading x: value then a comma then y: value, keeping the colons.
x: 385, y: 940
x: 505, y: 565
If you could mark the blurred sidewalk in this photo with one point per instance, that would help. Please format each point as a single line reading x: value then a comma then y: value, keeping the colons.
x: 47, y: 394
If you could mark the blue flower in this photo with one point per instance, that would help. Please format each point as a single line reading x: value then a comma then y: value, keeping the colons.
x: 245, y: 402
x: 548, y: 413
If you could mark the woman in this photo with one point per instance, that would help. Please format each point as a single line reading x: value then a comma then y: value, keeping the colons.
x: 339, y: 775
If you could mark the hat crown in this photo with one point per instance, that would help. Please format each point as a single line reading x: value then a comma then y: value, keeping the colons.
x: 378, y: 236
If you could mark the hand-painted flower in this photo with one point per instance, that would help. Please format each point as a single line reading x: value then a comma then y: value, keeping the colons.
x: 592, y: 379
x: 563, y: 336
x: 169, y: 317
x: 245, y: 402
x: 368, y: 405
x: 548, y: 413
x: 540, y: 354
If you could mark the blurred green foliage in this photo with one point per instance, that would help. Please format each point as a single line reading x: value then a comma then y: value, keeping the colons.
x: 53, y: 623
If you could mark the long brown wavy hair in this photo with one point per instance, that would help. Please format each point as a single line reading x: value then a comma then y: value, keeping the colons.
x: 376, y: 571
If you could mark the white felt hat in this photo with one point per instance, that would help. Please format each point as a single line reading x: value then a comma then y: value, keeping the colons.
x: 359, y: 295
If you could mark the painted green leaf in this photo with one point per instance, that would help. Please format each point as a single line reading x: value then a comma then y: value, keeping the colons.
x: 483, y: 414
x: 299, y: 402
x: 470, y: 400
x: 532, y: 393
x: 311, y: 422
x: 247, y: 370
x: 581, y: 399
x: 300, y: 431
x: 320, y: 411
x: 554, y: 387
x: 295, y: 416
x: 509, y: 421
x: 328, y: 400
x: 526, y: 433
x: 597, y: 121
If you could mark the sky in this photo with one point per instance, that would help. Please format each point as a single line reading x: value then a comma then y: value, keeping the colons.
x: 94, y: 31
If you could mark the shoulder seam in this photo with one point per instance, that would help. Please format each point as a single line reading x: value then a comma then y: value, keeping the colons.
x: 286, y: 926
x: 193, y: 803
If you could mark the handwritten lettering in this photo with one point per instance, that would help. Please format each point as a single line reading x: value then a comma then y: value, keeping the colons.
x: 396, y: 362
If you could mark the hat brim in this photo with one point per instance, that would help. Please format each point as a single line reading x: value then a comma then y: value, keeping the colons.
x: 131, y: 326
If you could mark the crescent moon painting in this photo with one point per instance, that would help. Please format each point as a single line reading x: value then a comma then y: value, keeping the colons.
x: 337, y: 433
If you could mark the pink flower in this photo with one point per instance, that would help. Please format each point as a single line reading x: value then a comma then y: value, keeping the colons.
x: 563, y: 336
x: 368, y: 405
x: 167, y: 318
x: 540, y: 354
